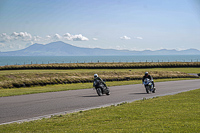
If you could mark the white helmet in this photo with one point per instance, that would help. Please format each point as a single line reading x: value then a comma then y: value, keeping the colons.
x: 95, y: 75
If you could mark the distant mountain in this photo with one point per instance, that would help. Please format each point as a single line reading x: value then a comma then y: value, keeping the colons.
x: 64, y: 49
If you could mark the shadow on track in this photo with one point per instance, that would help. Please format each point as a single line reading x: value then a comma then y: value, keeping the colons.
x: 95, y: 96
x: 137, y: 93
x: 91, y: 96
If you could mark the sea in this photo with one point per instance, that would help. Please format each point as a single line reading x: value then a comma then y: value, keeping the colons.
x: 22, y: 60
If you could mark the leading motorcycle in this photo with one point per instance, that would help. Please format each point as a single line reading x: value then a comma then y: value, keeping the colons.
x: 149, y: 85
x: 101, y: 88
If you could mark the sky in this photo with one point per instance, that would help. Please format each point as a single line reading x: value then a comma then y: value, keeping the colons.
x: 108, y: 24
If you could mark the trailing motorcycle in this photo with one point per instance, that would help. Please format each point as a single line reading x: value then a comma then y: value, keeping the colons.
x: 149, y: 85
x: 101, y: 88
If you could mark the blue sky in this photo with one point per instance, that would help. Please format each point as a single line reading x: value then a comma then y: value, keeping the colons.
x: 116, y: 24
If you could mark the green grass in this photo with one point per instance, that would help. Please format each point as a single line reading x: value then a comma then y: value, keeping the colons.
x: 27, y: 78
x: 109, y: 65
x: 10, y: 76
x: 186, y: 70
x: 175, y: 113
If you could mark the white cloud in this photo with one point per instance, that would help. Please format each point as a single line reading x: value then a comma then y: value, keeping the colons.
x: 22, y: 36
x: 14, y: 34
x: 80, y: 38
x: 95, y: 39
x: 47, y: 38
x: 179, y: 49
x: 27, y: 37
x: 125, y: 38
x: 2, y: 45
x: 123, y: 47
x: 29, y: 43
x: 37, y: 39
x: 4, y: 37
x: 128, y: 38
x: 20, y: 40
x: 57, y: 37
x: 139, y: 38
x: 68, y: 36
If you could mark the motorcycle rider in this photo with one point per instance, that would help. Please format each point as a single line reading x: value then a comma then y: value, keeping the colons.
x: 96, y: 77
x: 146, y: 75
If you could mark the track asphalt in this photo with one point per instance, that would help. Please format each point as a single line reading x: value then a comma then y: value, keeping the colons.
x: 37, y: 106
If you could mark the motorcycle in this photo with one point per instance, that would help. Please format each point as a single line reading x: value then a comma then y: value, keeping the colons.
x: 101, y: 88
x: 149, y: 86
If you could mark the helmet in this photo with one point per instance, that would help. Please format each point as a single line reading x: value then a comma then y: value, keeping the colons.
x: 146, y: 73
x: 95, y: 75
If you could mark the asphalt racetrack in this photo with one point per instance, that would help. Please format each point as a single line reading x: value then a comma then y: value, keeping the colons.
x: 36, y: 106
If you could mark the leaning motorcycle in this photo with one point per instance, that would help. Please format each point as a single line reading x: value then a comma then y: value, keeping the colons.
x: 149, y: 86
x: 101, y: 88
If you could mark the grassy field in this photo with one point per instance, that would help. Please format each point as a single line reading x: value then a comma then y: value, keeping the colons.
x: 38, y: 81
x: 177, y: 113
x: 27, y: 78
x: 174, y: 113
x: 109, y: 65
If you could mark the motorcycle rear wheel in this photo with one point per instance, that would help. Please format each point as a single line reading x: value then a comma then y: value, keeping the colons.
x: 147, y: 90
x: 108, y: 93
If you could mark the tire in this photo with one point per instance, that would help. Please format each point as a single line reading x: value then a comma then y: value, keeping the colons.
x: 99, y: 92
x: 147, y: 90
x: 108, y: 93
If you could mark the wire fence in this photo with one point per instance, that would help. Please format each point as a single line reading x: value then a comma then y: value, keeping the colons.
x: 93, y: 61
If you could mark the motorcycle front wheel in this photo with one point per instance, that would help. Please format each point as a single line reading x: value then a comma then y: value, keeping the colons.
x: 147, y: 89
x: 99, y: 92
x: 154, y: 91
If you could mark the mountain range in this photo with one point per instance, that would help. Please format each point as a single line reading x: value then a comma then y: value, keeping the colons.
x: 63, y: 49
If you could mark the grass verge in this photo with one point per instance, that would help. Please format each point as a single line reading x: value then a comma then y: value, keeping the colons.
x: 10, y: 77
x: 103, y: 65
x: 28, y: 78
x: 174, y: 113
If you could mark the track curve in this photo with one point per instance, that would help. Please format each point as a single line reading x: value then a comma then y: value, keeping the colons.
x: 36, y: 106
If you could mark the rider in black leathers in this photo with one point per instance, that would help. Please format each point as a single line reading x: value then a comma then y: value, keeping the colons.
x: 96, y: 77
x: 149, y: 77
